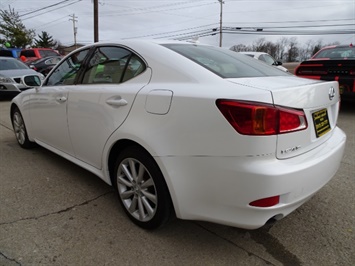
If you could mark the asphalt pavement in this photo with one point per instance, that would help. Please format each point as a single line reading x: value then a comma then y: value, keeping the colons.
x: 54, y: 213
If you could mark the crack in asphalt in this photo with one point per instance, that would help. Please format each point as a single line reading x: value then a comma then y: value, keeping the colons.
x: 5, y: 126
x: 58, y: 212
x: 234, y: 244
x: 9, y: 259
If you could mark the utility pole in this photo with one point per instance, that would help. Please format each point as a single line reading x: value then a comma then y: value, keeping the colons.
x: 96, y: 20
x: 220, y: 23
x: 75, y: 29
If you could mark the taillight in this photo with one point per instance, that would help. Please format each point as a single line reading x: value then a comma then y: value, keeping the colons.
x: 251, y: 118
x: 311, y: 72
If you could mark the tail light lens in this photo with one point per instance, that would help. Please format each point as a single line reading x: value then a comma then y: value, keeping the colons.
x: 251, y: 118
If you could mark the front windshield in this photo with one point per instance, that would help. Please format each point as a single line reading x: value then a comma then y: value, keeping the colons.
x: 225, y: 63
x: 9, y: 63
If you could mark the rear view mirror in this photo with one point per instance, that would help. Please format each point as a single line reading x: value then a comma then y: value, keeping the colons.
x: 32, y: 81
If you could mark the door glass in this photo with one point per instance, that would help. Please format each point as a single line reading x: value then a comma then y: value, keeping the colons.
x: 66, y: 72
x: 112, y: 65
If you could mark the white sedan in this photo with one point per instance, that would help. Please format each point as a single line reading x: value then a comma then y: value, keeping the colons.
x: 266, y: 58
x: 186, y: 130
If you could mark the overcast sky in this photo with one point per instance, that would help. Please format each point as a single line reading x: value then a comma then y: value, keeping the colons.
x: 329, y: 21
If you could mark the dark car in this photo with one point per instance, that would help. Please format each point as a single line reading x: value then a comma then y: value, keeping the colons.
x: 10, y: 52
x: 332, y: 63
x: 45, y: 65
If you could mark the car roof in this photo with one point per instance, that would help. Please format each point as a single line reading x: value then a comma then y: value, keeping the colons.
x: 338, y: 46
x: 253, y: 53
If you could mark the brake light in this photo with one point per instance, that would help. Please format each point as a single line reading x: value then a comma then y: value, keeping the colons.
x: 252, y: 118
x: 311, y: 72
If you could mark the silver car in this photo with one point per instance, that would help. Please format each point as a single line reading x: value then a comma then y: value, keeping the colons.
x: 12, y: 73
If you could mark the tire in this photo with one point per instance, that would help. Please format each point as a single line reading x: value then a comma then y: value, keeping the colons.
x: 141, y: 188
x: 20, y: 130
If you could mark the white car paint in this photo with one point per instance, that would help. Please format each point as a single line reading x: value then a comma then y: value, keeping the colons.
x: 212, y: 172
x: 266, y: 58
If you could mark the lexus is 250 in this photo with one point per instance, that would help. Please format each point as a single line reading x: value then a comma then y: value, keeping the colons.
x: 187, y: 130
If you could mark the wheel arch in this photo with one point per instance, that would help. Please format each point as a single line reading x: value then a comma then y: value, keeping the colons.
x: 122, y: 144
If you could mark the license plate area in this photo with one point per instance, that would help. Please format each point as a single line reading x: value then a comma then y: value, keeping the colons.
x: 321, y: 122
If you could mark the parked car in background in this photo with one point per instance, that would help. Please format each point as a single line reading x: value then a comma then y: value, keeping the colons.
x: 45, y: 65
x: 12, y: 72
x: 32, y: 54
x: 266, y: 58
x: 185, y: 129
x: 10, y: 52
x: 332, y: 63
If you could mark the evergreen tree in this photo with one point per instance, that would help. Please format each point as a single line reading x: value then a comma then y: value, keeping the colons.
x: 45, y: 41
x: 13, y: 31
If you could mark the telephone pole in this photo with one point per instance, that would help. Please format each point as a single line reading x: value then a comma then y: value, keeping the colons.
x: 220, y: 23
x: 96, y: 20
x: 75, y: 29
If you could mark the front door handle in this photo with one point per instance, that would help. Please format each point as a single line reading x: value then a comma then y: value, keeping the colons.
x: 61, y: 99
x: 117, y: 102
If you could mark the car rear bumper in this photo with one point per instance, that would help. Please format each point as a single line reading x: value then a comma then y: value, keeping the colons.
x: 219, y: 189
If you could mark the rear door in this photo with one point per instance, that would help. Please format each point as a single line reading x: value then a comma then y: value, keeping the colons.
x: 101, y: 103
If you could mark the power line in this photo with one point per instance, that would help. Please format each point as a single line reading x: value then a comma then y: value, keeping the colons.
x: 69, y: 4
x: 61, y: 2
x: 169, y: 32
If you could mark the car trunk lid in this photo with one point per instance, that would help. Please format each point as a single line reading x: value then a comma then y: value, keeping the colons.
x: 318, y: 100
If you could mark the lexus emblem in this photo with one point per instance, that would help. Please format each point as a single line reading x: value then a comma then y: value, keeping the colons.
x: 331, y: 93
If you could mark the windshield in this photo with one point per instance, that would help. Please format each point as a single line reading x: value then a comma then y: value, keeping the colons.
x: 6, y: 64
x: 225, y: 63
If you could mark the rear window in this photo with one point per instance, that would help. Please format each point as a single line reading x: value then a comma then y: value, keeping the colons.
x: 225, y: 63
x: 6, y: 53
x: 336, y: 53
x: 46, y: 53
x: 28, y: 53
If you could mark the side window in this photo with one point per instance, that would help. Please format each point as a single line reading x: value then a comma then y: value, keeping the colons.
x: 66, y: 72
x: 262, y: 58
x: 112, y: 65
x: 134, y: 68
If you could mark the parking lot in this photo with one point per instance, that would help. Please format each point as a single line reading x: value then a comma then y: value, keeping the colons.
x: 54, y: 213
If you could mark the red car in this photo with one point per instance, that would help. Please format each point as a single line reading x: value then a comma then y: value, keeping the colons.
x: 332, y: 63
x: 37, y: 53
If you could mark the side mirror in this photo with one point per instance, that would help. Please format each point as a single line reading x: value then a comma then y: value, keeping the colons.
x: 278, y: 63
x: 32, y: 81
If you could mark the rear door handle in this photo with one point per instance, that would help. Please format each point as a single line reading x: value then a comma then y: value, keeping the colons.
x: 117, y: 102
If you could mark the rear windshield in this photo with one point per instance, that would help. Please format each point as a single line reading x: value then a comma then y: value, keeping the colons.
x: 336, y: 53
x: 28, y: 53
x: 6, y: 53
x: 225, y: 63
x: 46, y: 53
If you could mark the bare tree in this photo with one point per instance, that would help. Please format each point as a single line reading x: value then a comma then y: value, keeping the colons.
x: 240, y: 48
x: 292, y: 50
